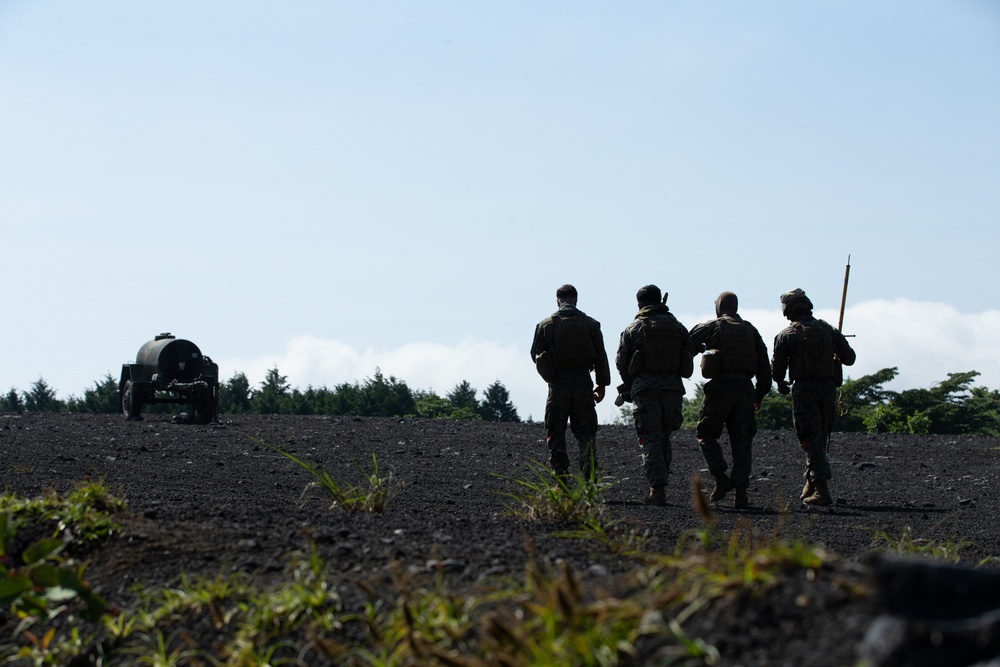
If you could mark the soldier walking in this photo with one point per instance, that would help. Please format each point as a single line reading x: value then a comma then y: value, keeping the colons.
x: 567, y: 347
x: 811, y: 351
x: 734, y: 363
x: 654, y: 355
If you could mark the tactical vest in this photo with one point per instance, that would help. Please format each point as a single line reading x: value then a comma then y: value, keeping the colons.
x: 571, y: 343
x: 815, y: 356
x: 661, y: 346
x: 738, y: 345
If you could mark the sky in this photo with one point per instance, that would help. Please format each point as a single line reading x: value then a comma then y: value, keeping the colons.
x: 338, y: 188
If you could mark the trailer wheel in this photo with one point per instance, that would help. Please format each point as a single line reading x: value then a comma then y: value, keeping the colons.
x: 131, y: 403
x: 202, y: 412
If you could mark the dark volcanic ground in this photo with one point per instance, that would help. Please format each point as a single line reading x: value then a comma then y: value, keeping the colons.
x: 205, y: 499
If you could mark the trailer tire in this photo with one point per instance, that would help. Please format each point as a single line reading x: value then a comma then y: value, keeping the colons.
x: 131, y: 403
x: 201, y: 411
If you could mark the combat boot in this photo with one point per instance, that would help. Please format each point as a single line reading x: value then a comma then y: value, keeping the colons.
x: 820, y: 496
x: 742, y: 502
x: 723, y: 485
x: 657, y: 496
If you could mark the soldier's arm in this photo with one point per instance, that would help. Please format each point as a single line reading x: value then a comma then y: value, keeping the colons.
x: 779, y: 359
x: 699, y: 337
x: 687, y: 352
x: 845, y: 353
x: 538, y: 342
x: 602, y: 369
x: 763, y: 374
x: 623, y: 357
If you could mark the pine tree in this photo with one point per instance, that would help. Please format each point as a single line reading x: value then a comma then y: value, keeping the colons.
x: 497, y: 406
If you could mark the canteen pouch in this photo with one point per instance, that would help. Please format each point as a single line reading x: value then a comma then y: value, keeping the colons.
x: 711, y: 364
x: 545, y: 365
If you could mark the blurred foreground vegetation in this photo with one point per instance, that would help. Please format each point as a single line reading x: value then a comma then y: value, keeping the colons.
x: 952, y: 406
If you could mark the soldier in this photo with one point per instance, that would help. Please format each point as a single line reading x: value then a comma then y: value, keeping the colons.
x: 811, y: 351
x: 567, y: 346
x: 734, y: 353
x: 654, y: 354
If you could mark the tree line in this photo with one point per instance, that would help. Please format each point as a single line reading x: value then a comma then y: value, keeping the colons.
x: 952, y: 406
x: 378, y: 396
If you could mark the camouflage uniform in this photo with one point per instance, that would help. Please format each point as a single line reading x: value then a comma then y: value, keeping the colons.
x: 731, y: 398
x: 571, y: 394
x: 657, y: 395
x: 814, y: 394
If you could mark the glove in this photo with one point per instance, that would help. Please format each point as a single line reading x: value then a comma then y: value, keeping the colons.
x: 623, y: 395
x: 783, y: 387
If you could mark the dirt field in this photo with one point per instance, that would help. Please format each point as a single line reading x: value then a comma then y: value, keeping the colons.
x: 205, y: 499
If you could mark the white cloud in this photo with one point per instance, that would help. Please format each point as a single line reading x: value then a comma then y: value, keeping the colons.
x: 925, y: 341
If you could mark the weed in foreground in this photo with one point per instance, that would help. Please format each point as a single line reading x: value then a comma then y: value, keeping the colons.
x: 371, y: 496
x: 88, y: 509
x: 908, y: 545
x: 41, y: 582
x: 543, y: 495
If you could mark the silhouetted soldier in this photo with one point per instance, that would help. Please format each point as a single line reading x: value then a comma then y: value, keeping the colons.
x: 654, y: 354
x: 811, y: 351
x: 567, y: 346
x: 734, y: 356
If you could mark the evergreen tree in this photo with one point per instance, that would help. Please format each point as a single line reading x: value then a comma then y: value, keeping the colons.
x: 234, y: 395
x: 272, y: 398
x: 12, y: 402
x: 463, y: 396
x: 102, y: 399
x: 42, y: 398
x: 387, y: 397
x: 497, y: 406
x: 347, y: 399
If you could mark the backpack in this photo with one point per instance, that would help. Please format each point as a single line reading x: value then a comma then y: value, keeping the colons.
x: 661, y: 351
x: 815, y: 356
x: 739, y: 349
x: 571, y: 343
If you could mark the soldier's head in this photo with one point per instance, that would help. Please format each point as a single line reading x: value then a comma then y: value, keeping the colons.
x: 648, y: 295
x: 566, y: 294
x: 726, y: 304
x: 795, y: 303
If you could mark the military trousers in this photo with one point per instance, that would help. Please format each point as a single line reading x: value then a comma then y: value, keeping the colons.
x: 728, y: 404
x: 813, y: 406
x: 657, y: 414
x: 571, y: 399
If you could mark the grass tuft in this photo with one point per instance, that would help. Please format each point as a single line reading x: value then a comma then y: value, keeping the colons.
x: 542, y: 495
x: 373, y: 495
x: 907, y: 545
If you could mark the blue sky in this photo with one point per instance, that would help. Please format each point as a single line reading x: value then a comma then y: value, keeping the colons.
x: 334, y: 187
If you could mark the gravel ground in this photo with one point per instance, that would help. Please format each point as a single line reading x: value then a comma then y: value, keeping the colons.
x: 205, y: 499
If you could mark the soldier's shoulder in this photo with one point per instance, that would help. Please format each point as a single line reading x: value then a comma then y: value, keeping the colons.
x: 789, y: 330
x: 634, y: 325
x: 704, y: 327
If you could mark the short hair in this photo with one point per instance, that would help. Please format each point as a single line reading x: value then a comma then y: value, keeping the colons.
x: 649, y: 295
x: 567, y: 293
